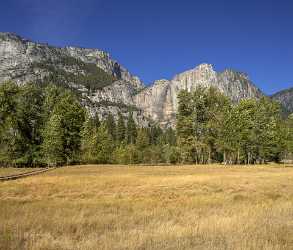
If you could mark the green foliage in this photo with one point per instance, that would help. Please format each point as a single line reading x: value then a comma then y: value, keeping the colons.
x: 131, y: 131
x: 288, y: 137
x: 199, y: 120
x: 126, y: 154
x: 64, y: 126
x: 210, y: 129
x: 20, y: 124
x: 48, y: 126
x: 89, y: 140
x: 53, y: 145
x: 121, y: 129
x: 111, y: 126
x: 105, y: 145
x: 86, y: 74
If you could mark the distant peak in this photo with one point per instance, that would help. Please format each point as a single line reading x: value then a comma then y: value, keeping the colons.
x: 11, y: 35
x: 203, y: 66
x: 235, y: 72
x: 161, y: 81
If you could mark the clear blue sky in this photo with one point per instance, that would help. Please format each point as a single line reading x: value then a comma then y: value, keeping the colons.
x: 158, y: 38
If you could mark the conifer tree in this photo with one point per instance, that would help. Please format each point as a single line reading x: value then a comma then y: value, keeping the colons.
x: 121, y: 130
x: 289, y: 137
x: 111, y: 126
x: 105, y: 145
x: 89, y: 140
x: 131, y: 131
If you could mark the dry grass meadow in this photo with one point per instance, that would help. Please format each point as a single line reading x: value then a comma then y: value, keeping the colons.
x: 135, y: 207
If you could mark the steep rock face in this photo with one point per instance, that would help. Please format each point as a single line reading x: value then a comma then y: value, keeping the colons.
x: 18, y: 55
x: 106, y: 86
x: 285, y: 97
x: 159, y: 101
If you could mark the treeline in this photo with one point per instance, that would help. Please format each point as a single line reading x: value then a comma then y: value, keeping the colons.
x: 49, y: 127
x: 212, y: 129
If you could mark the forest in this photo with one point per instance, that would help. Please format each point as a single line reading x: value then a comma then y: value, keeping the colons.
x: 48, y: 126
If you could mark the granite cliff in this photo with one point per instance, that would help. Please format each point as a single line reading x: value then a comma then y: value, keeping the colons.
x: 160, y: 103
x: 285, y: 97
x: 108, y: 87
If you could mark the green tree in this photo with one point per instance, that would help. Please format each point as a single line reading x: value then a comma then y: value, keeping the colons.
x: 131, y: 131
x: 289, y: 137
x: 89, y: 140
x: 105, y: 145
x: 20, y: 125
x: 143, y: 139
x: 199, y: 121
x: 121, y: 130
x: 111, y: 126
x: 68, y: 118
x: 53, y: 145
x: 10, y: 136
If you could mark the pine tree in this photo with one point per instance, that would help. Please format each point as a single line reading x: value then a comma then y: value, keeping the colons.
x: 111, y: 126
x: 121, y: 130
x: 89, y: 140
x: 52, y: 93
x: 105, y: 145
x: 20, y: 126
x: 289, y: 137
x: 169, y: 137
x: 9, y: 133
x: 131, y: 130
x: 143, y: 139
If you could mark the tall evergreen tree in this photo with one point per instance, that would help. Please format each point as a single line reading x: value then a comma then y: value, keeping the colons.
x: 105, y: 145
x: 20, y: 126
x: 9, y: 132
x: 89, y: 140
x: 131, y: 130
x: 289, y: 137
x: 111, y: 126
x: 121, y: 130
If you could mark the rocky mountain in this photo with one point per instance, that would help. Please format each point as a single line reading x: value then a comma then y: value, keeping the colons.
x: 107, y: 87
x: 160, y: 103
x: 285, y: 97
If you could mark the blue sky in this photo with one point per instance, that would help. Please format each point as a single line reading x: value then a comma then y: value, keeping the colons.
x: 157, y: 39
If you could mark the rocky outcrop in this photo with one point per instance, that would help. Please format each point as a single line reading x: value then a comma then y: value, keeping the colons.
x: 108, y: 87
x: 159, y: 101
x: 285, y: 97
x: 20, y: 58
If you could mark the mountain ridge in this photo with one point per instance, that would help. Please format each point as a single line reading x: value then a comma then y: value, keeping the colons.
x: 285, y: 97
x: 159, y: 100
x: 107, y: 85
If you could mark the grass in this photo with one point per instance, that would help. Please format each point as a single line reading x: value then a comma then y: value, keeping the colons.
x: 132, y: 207
x: 11, y: 171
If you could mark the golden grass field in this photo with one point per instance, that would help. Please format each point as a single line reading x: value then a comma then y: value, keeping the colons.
x: 143, y: 207
x: 12, y: 171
